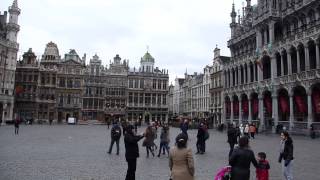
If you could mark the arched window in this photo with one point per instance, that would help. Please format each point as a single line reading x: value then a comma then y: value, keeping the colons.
x: 312, y: 54
x: 311, y: 16
x: 294, y: 65
x: 302, y: 57
x: 285, y: 62
x: 266, y: 67
x: 278, y: 59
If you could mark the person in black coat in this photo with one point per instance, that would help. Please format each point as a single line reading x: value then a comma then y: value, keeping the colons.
x: 286, y: 154
x: 232, y: 137
x: 240, y: 160
x: 132, y: 151
x: 201, y: 139
x: 115, y: 137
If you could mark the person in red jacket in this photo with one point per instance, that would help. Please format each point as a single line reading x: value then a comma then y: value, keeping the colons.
x: 262, y: 171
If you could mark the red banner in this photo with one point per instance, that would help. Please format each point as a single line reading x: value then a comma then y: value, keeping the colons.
x: 236, y: 108
x: 316, y: 101
x: 268, y: 104
x: 284, y: 106
x: 301, y: 105
x: 245, y: 107
x: 255, y: 106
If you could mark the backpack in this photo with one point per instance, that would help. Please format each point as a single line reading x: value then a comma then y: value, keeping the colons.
x: 224, y: 173
x: 116, y: 132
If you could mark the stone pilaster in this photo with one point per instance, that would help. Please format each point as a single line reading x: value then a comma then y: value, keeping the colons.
x: 317, y: 55
x: 291, y: 111
x: 250, y: 109
x: 261, y: 112
x: 309, y: 109
x: 231, y: 116
x: 298, y: 62
x: 275, y: 114
x: 307, y: 59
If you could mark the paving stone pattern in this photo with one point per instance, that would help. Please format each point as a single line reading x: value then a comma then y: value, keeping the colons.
x: 79, y: 152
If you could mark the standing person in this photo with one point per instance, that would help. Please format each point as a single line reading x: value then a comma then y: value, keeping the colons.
x: 115, y: 137
x: 16, y: 125
x: 132, y: 151
x: 286, y: 154
x: 148, y: 141
x: 240, y: 160
x: 164, y: 140
x: 262, y: 171
x: 184, y: 126
x: 246, y: 131
x: 252, y: 130
x: 232, y: 137
x: 201, y: 139
x: 180, y: 160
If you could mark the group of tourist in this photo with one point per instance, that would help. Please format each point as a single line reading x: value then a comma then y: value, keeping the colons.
x: 181, y: 161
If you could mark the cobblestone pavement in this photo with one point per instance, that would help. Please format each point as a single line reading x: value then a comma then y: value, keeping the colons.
x: 69, y: 152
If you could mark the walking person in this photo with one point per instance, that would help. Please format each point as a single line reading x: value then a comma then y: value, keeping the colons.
x: 115, y: 137
x: 16, y: 125
x: 286, y: 154
x: 240, y: 160
x: 201, y: 139
x: 184, y: 126
x: 252, y: 130
x: 232, y: 137
x: 132, y: 151
x: 149, y: 140
x: 164, y: 140
x: 181, y: 161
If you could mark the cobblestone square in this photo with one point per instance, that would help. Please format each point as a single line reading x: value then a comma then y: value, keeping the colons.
x: 64, y: 152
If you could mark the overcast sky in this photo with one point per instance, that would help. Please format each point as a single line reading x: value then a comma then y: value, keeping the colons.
x: 181, y: 34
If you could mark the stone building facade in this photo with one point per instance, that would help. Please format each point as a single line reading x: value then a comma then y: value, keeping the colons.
x: 148, y: 92
x: 273, y: 75
x: 216, y: 88
x: 56, y: 88
x: 191, y: 95
x: 8, y: 58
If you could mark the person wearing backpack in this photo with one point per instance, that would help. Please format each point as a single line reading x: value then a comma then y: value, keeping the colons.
x: 115, y: 137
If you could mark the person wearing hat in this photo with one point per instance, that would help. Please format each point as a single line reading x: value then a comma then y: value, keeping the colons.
x: 132, y: 151
x: 181, y: 160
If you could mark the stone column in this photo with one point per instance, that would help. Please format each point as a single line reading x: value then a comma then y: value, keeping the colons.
x: 306, y: 51
x: 249, y: 74
x: 254, y: 72
x: 317, y: 55
x: 250, y: 110
x: 309, y: 109
x: 231, y: 116
x: 240, y: 110
x: 231, y: 79
x: 260, y: 74
x: 261, y: 112
x: 275, y: 115
x: 291, y: 111
x: 289, y: 63
x: 259, y: 38
x: 239, y: 75
x: 271, y: 31
x: 265, y: 37
x: 273, y: 68
x: 298, y: 62
x: 282, y: 65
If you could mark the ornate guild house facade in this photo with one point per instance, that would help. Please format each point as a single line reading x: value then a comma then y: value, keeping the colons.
x: 273, y: 75
x: 8, y: 58
x: 54, y: 89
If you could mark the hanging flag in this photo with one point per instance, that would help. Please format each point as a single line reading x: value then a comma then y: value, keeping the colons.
x: 236, y: 108
x: 255, y: 106
x: 245, y: 106
x: 301, y: 105
x: 268, y: 104
x: 19, y: 89
x: 316, y: 101
x: 260, y: 64
x: 284, y: 106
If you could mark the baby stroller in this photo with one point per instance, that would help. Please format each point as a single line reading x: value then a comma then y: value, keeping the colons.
x: 224, y: 173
